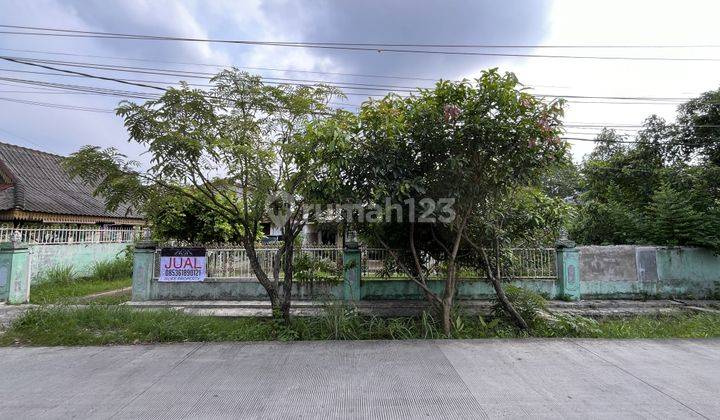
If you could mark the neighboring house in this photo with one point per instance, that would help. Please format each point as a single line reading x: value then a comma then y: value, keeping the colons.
x: 35, y: 189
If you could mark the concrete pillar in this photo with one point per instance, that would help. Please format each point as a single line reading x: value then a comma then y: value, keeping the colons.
x: 568, y: 270
x: 143, y: 270
x: 14, y: 273
x: 352, y: 272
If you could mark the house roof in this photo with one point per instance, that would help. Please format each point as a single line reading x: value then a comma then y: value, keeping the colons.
x: 35, y: 181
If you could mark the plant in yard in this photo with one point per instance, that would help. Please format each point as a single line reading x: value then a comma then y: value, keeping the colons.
x: 452, y: 156
x: 116, y: 268
x: 239, y: 153
x: 58, y: 274
x: 527, y: 303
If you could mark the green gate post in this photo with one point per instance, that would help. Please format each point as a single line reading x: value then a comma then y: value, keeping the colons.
x: 14, y: 273
x: 143, y: 270
x: 568, y: 270
x: 352, y: 272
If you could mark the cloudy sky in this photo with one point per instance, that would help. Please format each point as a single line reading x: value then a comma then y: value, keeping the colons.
x: 29, y: 114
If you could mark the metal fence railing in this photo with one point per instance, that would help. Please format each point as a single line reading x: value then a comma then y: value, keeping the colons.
x: 379, y: 263
x: 518, y: 263
x: 234, y: 263
x: 69, y: 236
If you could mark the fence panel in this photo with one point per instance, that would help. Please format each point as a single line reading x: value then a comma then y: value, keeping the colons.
x: 519, y: 263
x: 70, y: 236
x: 234, y: 262
x: 378, y: 263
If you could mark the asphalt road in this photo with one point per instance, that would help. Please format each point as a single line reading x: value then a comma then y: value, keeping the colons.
x: 403, y: 379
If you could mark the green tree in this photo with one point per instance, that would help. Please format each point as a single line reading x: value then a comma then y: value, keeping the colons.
x: 660, y: 187
x: 467, y: 146
x: 241, y: 152
x: 671, y: 220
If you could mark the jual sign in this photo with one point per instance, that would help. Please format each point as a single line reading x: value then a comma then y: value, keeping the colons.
x: 182, y: 264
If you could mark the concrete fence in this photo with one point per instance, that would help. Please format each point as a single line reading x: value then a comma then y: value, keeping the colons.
x: 81, y: 256
x: 593, y: 272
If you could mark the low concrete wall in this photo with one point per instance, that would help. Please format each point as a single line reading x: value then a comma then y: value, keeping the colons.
x: 81, y: 257
x: 247, y: 289
x: 467, y: 289
x: 617, y: 272
x: 235, y: 289
x: 592, y: 272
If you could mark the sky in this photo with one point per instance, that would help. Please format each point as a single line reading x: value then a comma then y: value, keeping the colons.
x: 32, y: 123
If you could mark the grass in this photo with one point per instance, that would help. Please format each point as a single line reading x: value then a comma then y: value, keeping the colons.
x: 104, y: 325
x: 61, y: 284
x: 52, y: 292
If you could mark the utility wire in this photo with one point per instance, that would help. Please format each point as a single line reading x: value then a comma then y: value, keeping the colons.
x: 385, y: 44
x: 304, y: 82
x: 327, y: 46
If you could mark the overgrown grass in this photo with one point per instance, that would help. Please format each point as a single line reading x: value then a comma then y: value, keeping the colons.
x: 61, y: 284
x: 51, y: 292
x: 118, y: 268
x: 102, y: 325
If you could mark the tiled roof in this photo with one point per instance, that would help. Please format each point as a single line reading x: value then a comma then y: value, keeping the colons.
x: 40, y: 184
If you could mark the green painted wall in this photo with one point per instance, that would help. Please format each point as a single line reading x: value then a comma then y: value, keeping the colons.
x: 81, y: 256
x: 628, y: 272
x: 588, y: 273
x: 691, y: 272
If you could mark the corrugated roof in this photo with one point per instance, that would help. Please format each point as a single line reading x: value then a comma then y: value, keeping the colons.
x: 40, y: 184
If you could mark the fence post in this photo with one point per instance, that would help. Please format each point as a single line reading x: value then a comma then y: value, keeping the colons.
x: 352, y: 272
x: 14, y: 272
x: 568, y: 270
x: 143, y: 270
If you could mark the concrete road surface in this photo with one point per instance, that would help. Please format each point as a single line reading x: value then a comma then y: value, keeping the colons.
x: 403, y: 379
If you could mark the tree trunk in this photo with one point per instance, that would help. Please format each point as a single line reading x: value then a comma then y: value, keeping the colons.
x: 448, y: 296
x: 507, y: 306
x: 446, y: 319
x: 495, y: 280
x: 263, y: 279
x: 287, y: 280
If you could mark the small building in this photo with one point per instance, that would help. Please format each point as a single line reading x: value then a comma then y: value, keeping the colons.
x: 35, y: 191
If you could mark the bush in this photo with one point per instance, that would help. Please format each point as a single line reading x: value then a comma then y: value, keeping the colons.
x: 308, y: 269
x: 567, y: 325
x: 528, y: 304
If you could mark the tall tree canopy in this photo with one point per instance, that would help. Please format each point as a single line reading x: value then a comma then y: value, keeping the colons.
x: 452, y: 156
x: 661, y: 188
x: 228, y: 153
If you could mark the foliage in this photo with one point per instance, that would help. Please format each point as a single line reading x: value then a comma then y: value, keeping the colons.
x: 526, y: 302
x: 636, y: 195
x: 308, y: 269
x: 58, y: 274
x: 468, y: 146
x: 567, y: 325
x: 74, y: 291
x: 62, y: 284
x: 222, y: 162
x: 103, y: 325
x: 663, y: 189
x: 174, y: 217
x: 114, y: 269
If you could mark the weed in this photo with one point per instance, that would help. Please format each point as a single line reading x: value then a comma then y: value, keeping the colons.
x: 59, y: 274
x: 114, y: 269
x: 102, y: 325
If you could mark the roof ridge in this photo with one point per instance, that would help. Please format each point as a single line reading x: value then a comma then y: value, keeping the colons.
x: 32, y: 150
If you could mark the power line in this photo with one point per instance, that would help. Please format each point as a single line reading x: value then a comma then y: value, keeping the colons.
x: 305, y: 82
x: 327, y: 46
x: 58, y: 106
x: 386, y: 44
x: 223, y: 66
x: 79, y: 73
